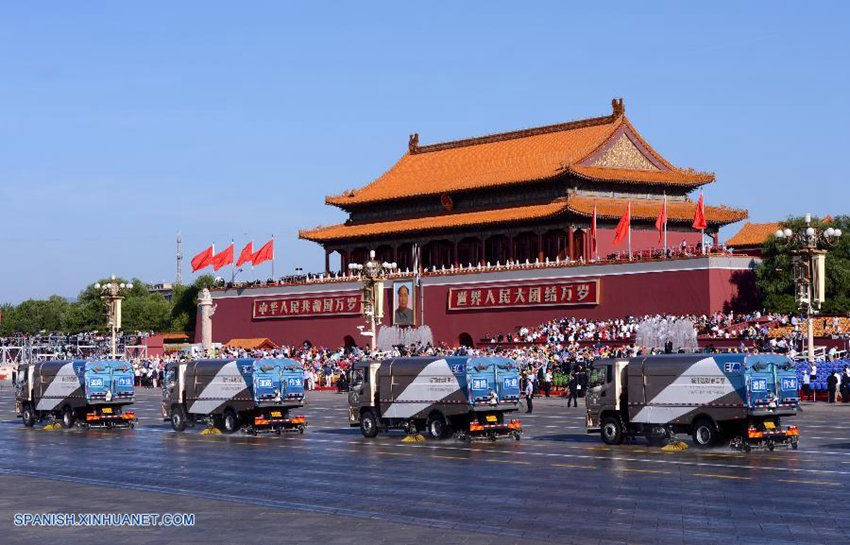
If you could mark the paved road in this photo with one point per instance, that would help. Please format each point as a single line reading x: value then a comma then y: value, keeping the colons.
x: 331, y: 485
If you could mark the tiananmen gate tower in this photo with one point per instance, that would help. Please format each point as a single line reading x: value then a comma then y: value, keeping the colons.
x: 503, y: 224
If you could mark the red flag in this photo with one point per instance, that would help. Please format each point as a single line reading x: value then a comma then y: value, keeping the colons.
x: 624, y: 226
x: 699, y: 215
x: 593, y: 230
x: 224, y: 257
x: 661, y: 222
x: 246, y: 255
x: 264, y: 254
x: 203, y: 259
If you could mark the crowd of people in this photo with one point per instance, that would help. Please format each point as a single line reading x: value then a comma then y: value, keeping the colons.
x: 552, y: 356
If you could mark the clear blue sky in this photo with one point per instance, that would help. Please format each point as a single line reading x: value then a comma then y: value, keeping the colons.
x: 122, y: 123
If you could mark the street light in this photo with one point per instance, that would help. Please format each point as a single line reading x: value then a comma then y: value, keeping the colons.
x: 373, y: 273
x: 112, y: 294
x: 809, y: 248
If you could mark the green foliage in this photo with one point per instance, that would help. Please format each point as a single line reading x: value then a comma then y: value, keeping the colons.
x: 775, y: 274
x: 141, y: 310
x: 33, y: 315
x: 185, y: 303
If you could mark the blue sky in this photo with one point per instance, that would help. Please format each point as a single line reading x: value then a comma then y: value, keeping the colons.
x: 122, y: 123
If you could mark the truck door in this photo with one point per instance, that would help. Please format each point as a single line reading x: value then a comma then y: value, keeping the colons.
x: 357, y: 391
x: 481, y: 376
x: 97, y: 379
x: 786, y: 383
x: 507, y: 381
x: 602, y: 390
x: 266, y: 381
x: 169, y: 385
x: 122, y: 380
x: 292, y: 381
x: 761, y: 381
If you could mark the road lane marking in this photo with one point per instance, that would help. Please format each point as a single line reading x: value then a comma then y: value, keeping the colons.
x: 809, y: 482
x: 644, y: 470
x: 615, y: 458
x: 392, y: 453
x: 449, y: 457
x: 519, y: 462
x: 714, y: 475
x: 575, y: 466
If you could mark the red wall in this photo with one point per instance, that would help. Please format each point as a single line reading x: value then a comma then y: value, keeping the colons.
x: 637, y: 290
x: 683, y: 292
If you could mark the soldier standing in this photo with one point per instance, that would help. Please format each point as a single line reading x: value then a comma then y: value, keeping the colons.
x: 573, y: 390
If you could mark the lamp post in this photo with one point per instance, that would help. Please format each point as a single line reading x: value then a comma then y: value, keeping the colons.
x: 373, y: 273
x: 112, y: 294
x: 809, y: 248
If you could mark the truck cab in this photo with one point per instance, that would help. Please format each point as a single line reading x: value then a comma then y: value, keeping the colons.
x: 362, y: 391
x: 605, y: 392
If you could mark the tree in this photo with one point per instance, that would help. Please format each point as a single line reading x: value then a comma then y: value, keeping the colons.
x: 34, y: 315
x: 185, y: 303
x: 775, y: 274
x: 141, y: 310
x: 149, y: 313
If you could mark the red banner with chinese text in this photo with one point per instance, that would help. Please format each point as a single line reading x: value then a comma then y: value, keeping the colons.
x: 306, y: 306
x: 580, y: 292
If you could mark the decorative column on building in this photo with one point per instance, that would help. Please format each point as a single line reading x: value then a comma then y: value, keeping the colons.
x: 206, y: 309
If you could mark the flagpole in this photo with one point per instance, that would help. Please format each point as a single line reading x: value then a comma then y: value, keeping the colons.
x: 629, y: 227
x: 702, y: 231
x: 233, y: 263
x: 272, y: 257
x: 665, y: 224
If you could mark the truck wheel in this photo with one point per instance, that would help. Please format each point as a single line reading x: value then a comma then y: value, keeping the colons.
x: 230, y: 423
x: 68, y: 418
x: 704, y: 434
x: 178, y: 419
x: 368, y: 424
x: 28, y: 415
x: 612, y: 431
x: 437, y: 426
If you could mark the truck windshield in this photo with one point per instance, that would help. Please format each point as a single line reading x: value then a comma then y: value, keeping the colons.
x: 356, y: 378
x: 598, y: 376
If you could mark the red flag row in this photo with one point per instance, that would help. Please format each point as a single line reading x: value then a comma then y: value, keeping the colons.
x: 624, y: 224
x: 225, y: 257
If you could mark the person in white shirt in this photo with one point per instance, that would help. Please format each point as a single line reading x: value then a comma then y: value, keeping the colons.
x: 529, y: 394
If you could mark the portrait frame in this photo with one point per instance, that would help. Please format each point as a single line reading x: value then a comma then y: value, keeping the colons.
x: 411, y: 303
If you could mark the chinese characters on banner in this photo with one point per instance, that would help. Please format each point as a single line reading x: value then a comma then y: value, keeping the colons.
x: 585, y: 292
x: 317, y: 305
